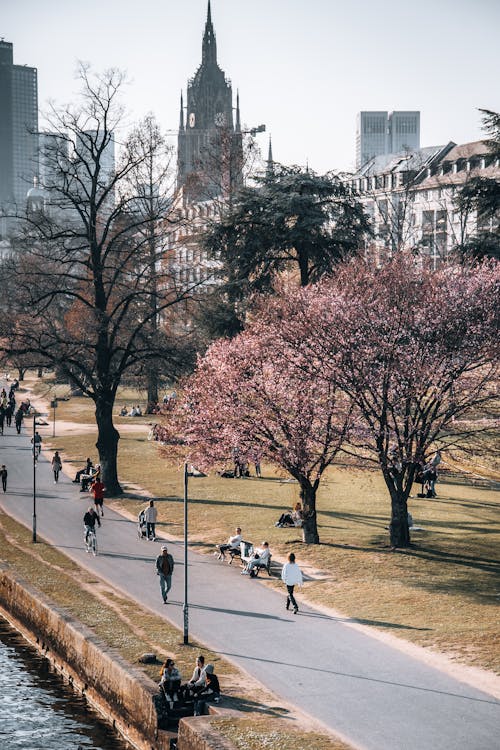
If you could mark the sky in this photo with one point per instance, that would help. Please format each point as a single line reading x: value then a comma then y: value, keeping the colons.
x: 304, y: 68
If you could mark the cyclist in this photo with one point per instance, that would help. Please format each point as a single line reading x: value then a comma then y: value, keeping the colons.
x: 89, y: 521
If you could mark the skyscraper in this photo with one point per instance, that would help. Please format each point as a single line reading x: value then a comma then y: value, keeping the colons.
x: 385, y: 133
x: 209, y: 156
x: 18, y: 128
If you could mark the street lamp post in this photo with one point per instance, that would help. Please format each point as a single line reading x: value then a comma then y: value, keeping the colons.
x: 53, y: 404
x: 34, y: 479
x: 185, y: 609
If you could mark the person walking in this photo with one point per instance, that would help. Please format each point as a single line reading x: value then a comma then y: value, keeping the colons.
x: 56, y: 466
x: 3, y: 474
x: 164, y: 569
x: 150, y: 516
x: 19, y: 420
x: 98, y: 493
x: 291, y: 575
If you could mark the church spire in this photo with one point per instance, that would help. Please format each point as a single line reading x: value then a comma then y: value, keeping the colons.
x: 181, y: 116
x: 270, y: 162
x: 209, y: 49
x: 238, y: 123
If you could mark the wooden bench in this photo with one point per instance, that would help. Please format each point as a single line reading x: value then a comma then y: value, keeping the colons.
x: 245, y: 559
x: 241, y: 551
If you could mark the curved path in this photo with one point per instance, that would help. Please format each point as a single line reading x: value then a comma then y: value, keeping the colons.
x: 373, y: 695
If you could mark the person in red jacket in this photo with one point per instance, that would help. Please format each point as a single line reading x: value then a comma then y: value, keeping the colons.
x: 98, y: 493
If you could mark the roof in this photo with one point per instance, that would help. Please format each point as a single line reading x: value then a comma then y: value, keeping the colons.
x: 467, y: 150
x: 403, y: 162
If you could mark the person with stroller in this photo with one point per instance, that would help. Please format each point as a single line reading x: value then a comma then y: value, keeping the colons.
x: 150, y: 517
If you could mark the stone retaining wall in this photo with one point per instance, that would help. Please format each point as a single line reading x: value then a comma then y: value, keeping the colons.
x: 124, y: 694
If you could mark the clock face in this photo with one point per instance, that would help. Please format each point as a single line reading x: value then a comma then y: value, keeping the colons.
x: 220, y: 119
x: 192, y: 120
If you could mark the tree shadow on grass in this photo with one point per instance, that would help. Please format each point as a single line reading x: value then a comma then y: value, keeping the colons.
x: 486, y: 564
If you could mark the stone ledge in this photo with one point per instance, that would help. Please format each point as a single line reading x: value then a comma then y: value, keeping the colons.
x: 117, y: 689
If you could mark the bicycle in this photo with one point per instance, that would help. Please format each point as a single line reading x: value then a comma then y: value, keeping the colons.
x: 90, y: 539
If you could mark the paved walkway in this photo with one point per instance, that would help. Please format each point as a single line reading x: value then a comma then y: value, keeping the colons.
x: 374, y: 696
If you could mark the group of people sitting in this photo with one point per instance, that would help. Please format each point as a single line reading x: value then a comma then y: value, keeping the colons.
x: 295, y: 517
x: 427, y: 476
x: 89, y: 479
x: 134, y: 411
x: 252, y: 557
x: 202, y: 688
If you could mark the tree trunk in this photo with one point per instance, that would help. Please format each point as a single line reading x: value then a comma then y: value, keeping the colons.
x: 309, y: 525
x: 107, y: 445
x: 398, y: 528
x: 20, y: 372
x: 152, y: 376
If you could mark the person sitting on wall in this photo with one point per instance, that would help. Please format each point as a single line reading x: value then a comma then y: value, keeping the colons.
x: 170, y: 680
x: 209, y: 693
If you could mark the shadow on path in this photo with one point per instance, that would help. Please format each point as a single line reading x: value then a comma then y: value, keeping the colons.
x: 241, y: 613
x: 419, y: 688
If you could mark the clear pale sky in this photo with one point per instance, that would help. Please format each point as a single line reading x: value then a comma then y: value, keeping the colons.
x: 303, y: 67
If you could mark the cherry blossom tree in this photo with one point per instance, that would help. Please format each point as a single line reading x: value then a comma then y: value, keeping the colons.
x: 248, y: 396
x: 416, y: 351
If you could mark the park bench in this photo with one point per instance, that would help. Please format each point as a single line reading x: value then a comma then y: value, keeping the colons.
x: 232, y: 553
x: 245, y: 559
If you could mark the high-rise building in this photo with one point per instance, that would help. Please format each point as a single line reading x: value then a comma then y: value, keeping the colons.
x: 404, y: 131
x: 18, y: 128
x: 209, y: 156
x: 380, y: 133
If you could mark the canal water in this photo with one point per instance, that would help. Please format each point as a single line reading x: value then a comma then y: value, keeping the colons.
x: 38, y: 710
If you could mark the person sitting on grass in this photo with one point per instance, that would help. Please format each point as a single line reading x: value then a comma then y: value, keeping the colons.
x: 294, y: 518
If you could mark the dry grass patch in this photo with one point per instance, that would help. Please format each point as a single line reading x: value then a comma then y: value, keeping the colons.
x: 256, y: 733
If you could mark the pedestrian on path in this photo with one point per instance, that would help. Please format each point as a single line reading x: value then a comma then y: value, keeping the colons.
x: 98, y: 493
x: 165, y: 568
x: 291, y: 575
x: 56, y: 466
x: 19, y: 420
x: 3, y: 474
x: 150, y: 516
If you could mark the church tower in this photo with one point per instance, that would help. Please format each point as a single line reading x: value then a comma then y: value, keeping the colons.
x: 210, y: 151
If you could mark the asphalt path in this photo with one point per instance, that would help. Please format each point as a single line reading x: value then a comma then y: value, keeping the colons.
x: 373, y: 695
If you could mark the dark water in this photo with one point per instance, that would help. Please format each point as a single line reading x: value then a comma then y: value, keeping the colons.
x: 38, y: 711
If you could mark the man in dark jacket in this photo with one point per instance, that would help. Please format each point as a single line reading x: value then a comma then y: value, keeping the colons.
x: 165, y: 568
x: 89, y: 521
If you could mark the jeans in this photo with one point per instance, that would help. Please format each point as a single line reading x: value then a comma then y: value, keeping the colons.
x: 150, y: 530
x: 165, y: 585
x: 290, y: 598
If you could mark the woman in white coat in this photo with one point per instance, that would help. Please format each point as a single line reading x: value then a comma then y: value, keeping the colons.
x: 291, y: 575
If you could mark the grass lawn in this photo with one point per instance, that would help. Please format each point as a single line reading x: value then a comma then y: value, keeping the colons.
x: 441, y: 593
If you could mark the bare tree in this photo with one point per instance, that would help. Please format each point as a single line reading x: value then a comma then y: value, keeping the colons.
x: 91, y: 285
